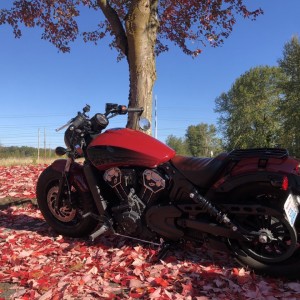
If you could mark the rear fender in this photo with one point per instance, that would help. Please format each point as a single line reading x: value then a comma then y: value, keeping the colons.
x: 228, y: 183
x: 294, y: 182
x: 76, y: 174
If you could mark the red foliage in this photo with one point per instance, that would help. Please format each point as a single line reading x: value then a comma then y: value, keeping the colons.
x: 18, y: 182
x: 189, y: 24
x: 44, y: 265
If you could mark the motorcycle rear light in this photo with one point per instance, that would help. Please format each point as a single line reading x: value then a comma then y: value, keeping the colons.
x: 285, y: 183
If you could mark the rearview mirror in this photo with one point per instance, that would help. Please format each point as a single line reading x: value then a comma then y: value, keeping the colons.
x: 144, y: 124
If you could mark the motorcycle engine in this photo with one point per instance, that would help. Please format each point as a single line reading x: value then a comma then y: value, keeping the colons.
x: 135, y: 192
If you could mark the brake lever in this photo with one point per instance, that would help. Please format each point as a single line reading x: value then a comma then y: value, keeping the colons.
x: 113, y: 114
x: 64, y: 126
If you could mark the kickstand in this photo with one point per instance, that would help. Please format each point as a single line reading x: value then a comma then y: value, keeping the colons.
x: 162, y: 251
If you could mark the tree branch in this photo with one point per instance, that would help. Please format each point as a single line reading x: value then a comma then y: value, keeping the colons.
x: 116, y: 25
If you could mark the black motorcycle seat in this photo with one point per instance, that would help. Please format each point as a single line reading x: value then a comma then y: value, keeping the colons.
x: 200, y: 171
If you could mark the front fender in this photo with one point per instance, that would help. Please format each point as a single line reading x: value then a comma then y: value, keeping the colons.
x: 76, y: 174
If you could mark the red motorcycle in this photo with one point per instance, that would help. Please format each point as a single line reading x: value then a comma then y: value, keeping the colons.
x: 131, y: 185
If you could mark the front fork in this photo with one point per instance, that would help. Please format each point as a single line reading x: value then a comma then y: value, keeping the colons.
x: 92, y: 187
x: 86, y: 180
x: 63, y: 183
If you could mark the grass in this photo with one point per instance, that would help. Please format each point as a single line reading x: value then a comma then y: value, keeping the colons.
x: 15, y: 161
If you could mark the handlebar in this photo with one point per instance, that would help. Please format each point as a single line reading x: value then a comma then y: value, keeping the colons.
x: 139, y: 110
x: 120, y: 109
x: 110, y: 108
x: 64, y: 126
x: 78, y: 120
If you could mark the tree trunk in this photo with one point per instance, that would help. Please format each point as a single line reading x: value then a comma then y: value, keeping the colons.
x: 141, y: 30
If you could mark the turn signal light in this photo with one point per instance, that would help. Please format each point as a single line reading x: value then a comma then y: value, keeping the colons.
x: 297, y: 169
x: 285, y: 183
x: 60, y: 151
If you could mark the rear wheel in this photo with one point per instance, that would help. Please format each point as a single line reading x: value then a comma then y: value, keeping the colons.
x: 275, y: 251
x: 68, y: 219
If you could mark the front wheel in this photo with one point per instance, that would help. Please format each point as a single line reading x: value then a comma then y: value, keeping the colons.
x: 68, y: 219
x: 275, y: 251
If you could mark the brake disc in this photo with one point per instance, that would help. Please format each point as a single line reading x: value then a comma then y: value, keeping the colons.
x: 65, y: 213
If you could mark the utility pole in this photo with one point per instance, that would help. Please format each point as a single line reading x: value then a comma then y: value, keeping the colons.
x: 44, y: 144
x: 38, y: 158
x: 155, y: 114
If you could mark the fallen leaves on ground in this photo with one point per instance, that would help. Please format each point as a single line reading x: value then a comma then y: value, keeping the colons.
x: 18, y: 182
x: 44, y: 265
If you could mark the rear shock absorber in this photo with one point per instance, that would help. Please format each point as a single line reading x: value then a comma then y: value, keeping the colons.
x: 213, y: 211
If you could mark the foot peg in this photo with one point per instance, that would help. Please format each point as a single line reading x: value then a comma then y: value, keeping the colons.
x: 103, y: 229
x: 87, y: 215
x: 163, y: 251
x: 104, y: 226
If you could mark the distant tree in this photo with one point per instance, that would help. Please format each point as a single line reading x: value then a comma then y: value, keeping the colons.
x: 139, y: 30
x: 201, y: 140
x: 22, y: 152
x: 290, y: 104
x: 178, y: 144
x: 249, y: 111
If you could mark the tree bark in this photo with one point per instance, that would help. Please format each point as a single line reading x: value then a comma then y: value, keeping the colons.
x: 137, y: 42
x: 141, y: 30
x: 115, y: 22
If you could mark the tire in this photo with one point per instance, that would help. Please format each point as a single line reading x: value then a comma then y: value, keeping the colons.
x: 285, y: 264
x: 68, y: 221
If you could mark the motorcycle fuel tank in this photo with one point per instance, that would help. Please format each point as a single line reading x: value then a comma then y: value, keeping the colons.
x: 127, y: 147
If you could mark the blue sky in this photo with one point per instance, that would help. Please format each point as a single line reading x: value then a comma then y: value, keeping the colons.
x: 41, y: 89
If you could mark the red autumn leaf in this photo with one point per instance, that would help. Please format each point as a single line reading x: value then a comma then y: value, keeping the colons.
x: 156, y: 294
x: 187, y: 289
x: 235, y: 271
x: 161, y: 282
x: 135, y: 295
x: 135, y: 283
x: 295, y: 286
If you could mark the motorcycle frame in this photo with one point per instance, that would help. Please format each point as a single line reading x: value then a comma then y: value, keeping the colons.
x: 84, y: 177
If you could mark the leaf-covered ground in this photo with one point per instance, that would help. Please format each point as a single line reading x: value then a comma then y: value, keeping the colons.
x: 39, y: 264
x: 18, y: 182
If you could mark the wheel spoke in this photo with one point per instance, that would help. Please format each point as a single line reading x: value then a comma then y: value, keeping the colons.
x: 278, y: 242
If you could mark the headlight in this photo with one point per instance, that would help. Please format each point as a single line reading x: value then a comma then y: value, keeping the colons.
x: 99, y: 122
